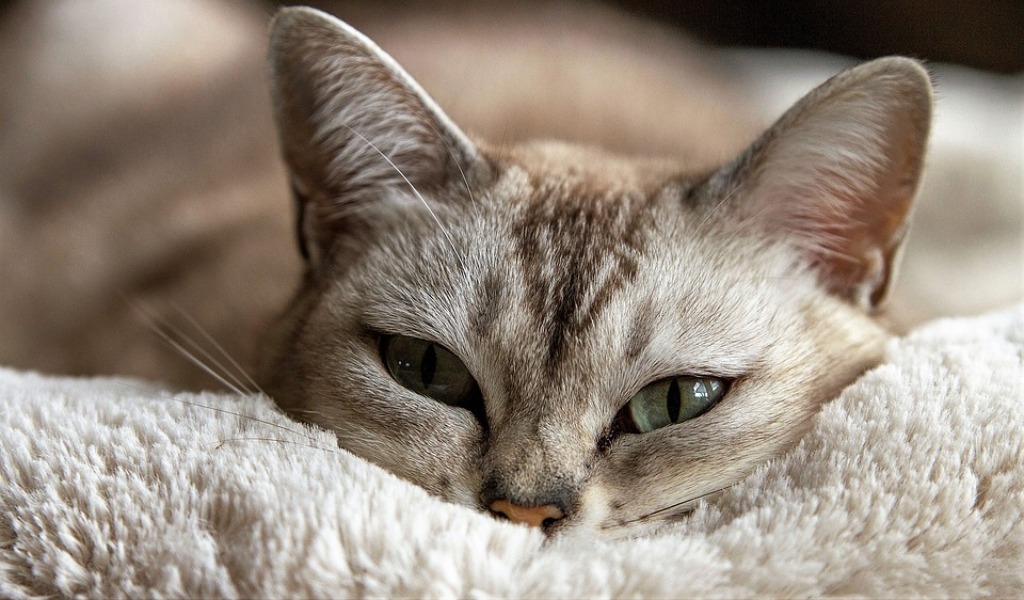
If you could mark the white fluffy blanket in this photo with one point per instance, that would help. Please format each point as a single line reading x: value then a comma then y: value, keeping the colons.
x: 910, y: 484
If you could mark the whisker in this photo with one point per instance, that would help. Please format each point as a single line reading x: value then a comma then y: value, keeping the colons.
x: 506, y: 143
x: 195, y: 361
x: 465, y: 180
x: 668, y: 508
x: 221, y: 443
x: 209, y: 338
x: 307, y: 411
x: 159, y: 324
x: 414, y: 191
x: 205, y: 354
x: 198, y: 363
x: 455, y: 159
x: 711, y: 212
x: 166, y: 396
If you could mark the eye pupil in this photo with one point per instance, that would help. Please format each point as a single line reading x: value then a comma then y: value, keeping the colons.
x: 429, y: 365
x: 431, y: 370
x: 669, y: 401
x: 673, y: 401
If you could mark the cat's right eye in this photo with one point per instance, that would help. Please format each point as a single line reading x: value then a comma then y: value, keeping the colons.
x: 431, y: 370
x: 671, y: 401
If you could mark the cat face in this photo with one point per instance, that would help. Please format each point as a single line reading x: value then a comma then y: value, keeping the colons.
x: 566, y: 338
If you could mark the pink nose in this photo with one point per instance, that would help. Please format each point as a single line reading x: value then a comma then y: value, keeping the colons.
x: 533, y: 516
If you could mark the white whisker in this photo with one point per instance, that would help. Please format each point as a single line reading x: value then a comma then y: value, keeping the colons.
x: 158, y: 324
x: 715, y: 208
x: 415, y: 191
x: 199, y: 363
x: 678, y: 505
x: 306, y: 411
x: 202, y: 331
x: 259, y: 439
x: 167, y: 396
x: 458, y: 164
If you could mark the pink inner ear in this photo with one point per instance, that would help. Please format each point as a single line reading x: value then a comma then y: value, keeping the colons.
x: 838, y: 173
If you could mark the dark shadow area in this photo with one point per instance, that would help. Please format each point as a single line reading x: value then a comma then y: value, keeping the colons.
x: 988, y: 34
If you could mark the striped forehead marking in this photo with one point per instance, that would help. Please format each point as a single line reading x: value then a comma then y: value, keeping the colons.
x: 577, y: 249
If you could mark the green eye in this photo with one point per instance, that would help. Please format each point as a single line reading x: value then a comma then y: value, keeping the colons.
x: 429, y: 369
x: 672, y: 401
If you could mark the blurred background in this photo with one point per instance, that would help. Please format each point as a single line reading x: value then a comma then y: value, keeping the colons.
x: 137, y: 136
x: 988, y: 34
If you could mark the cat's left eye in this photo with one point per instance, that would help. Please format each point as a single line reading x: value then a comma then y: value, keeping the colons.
x: 671, y: 401
x: 431, y: 370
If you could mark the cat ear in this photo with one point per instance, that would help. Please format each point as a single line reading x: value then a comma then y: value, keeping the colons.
x: 353, y: 125
x: 837, y: 174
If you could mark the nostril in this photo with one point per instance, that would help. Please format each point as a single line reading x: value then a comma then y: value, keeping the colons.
x: 544, y: 516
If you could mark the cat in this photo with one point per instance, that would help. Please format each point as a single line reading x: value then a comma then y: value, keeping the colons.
x: 569, y: 338
x: 515, y: 326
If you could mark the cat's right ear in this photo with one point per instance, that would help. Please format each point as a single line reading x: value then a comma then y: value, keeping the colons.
x: 353, y: 126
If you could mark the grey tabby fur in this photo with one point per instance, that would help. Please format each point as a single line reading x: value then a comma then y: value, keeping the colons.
x: 567, y: 279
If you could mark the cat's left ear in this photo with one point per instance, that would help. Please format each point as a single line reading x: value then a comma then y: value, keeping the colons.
x: 355, y: 128
x: 837, y: 174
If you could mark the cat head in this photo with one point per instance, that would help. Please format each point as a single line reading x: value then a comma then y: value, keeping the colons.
x: 566, y: 338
